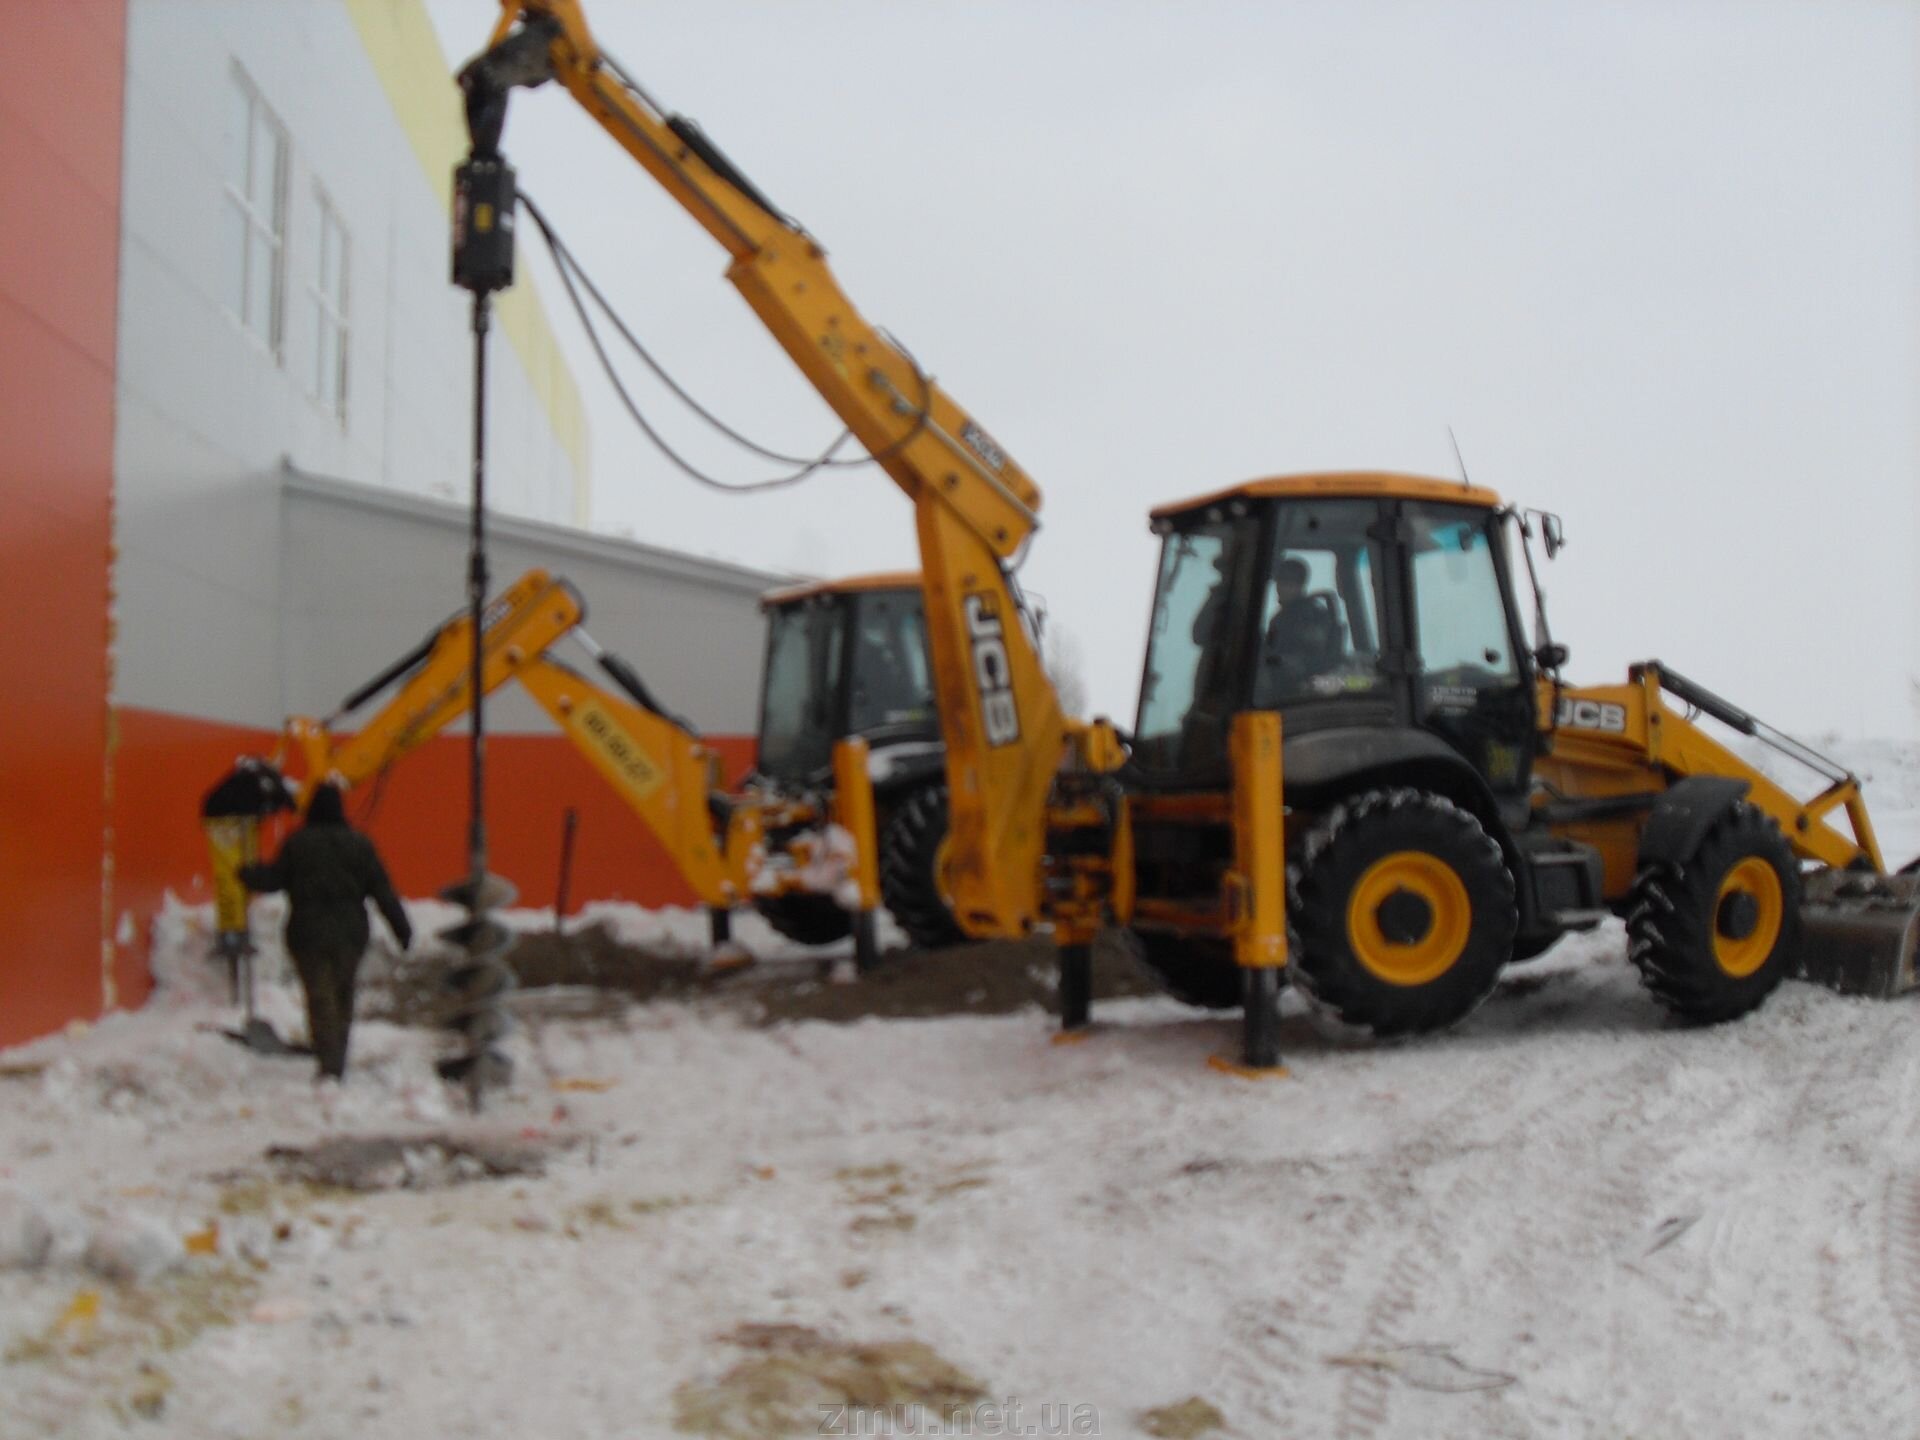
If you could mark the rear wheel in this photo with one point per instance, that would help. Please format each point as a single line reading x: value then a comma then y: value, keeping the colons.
x: 1712, y: 938
x: 912, y: 849
x: 804, y: 918
x: 1194, y: 969
x: 1405, y: 912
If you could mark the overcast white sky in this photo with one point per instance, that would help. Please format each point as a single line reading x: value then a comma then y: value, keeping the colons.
x: 1655, y: 262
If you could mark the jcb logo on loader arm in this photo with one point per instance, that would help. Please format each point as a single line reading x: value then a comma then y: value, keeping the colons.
x: 992, y: 671
x: 1591, y: 715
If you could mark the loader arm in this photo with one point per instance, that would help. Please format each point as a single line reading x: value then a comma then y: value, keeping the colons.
x: 1612, y: 738
x: 975, y: 508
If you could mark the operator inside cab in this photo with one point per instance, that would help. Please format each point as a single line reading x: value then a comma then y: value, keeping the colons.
x: 891, y: 683
x: 1305, y: 637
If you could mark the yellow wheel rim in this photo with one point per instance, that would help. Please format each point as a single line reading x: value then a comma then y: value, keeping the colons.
x: 1448, y: 913
x: 1755, y: 880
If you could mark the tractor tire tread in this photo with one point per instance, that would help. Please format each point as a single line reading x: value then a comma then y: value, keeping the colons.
x: 1334, y: 851
x: 1670, y: 919
x: 909, y: 844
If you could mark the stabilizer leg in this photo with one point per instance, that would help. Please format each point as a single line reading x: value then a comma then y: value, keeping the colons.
x: 727, y: 953
x: 1260, y: 1034
x: 866, y: 942
x: 1076, y: 986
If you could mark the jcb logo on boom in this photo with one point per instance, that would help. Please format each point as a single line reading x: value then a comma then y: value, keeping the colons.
x: 992, y: 671
x: 1591, y: 715
x: 985, y: 446
x: 622, y: 749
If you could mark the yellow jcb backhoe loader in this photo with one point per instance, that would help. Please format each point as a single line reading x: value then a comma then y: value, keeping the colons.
x: 1439, y: 803
x: 848, y: 738
x: 1451, y: 805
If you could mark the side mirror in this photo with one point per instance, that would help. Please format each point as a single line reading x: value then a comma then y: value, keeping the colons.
x: 1550, y: 657
x: 1556, y: 536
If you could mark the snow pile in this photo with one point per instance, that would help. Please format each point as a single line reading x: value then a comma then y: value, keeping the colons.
x: 123, y: 1244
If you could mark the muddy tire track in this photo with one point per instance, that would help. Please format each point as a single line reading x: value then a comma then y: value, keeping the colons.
x: 1867, y: 1285
x: 1422, y: 1259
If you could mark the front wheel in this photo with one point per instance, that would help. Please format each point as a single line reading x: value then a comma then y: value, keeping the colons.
x: 1714, y: 936
x: 1405, y: 912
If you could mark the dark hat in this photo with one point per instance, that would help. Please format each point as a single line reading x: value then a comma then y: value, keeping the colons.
x: 326, y: 807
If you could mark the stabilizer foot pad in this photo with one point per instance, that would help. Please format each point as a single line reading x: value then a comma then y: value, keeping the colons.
x: 729, y: 957
x: 1071, y: 1037
x: 1227, y: 1065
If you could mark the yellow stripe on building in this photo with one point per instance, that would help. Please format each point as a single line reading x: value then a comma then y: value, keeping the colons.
x: 406, y: 55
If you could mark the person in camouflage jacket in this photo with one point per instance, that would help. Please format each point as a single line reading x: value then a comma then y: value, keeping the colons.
x: 329, y: 871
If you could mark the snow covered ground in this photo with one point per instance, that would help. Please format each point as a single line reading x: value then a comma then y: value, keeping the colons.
x: 1565, y: 1217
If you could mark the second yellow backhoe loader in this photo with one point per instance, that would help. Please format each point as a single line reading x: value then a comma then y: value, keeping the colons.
x: 1350, y: 764
x: 845, y: 803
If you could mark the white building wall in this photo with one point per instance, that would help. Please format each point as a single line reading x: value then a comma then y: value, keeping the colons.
x: 206, y: 414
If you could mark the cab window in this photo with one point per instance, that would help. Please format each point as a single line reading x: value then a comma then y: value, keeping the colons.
x: 1187, y: 692
x: 1460, y: 615
x: 1320, y: 605
x: 891, y: 682
x: 797, y: 707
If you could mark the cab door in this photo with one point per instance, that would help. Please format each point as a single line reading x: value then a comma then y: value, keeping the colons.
x: 1472, y: 680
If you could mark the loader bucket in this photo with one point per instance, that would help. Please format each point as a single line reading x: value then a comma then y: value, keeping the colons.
x: 1859, y: 932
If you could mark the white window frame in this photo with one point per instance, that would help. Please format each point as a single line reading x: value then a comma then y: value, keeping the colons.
x: 268, y: 330
x: 330, y: 312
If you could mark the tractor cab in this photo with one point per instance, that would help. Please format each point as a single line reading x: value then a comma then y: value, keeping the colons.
x: 846, y: 658
x: 849, y: 658
x: 1374, y: 611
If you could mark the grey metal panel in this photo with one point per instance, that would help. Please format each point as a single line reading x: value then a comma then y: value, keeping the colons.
x: 366, y: 573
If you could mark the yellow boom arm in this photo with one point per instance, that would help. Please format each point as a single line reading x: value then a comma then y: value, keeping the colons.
x: 975, y: 508
x: 662, y: 772
x: 520, y: 622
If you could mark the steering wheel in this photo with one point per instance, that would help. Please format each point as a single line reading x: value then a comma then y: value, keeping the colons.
x: 1329, y: 602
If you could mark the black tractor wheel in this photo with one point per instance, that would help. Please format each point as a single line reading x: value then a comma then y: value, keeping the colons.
x: 1194, y: 969
x: 1405, y: 912
x: 1712, y: 937
x: 911, y: 850
x: 804, y: 918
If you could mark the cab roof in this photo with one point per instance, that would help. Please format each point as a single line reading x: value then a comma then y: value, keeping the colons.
x: 851, y: 584
x: 1330, y: 484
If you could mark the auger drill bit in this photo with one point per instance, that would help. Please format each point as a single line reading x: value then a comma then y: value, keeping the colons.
x: 482, y: 263
x: 479, y: 985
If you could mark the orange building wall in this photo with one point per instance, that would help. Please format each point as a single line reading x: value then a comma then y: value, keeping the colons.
x: 62, y: 73
x: 418, y: 818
